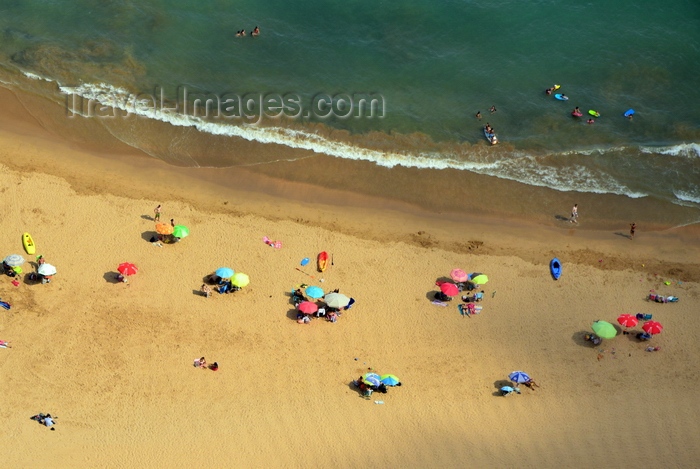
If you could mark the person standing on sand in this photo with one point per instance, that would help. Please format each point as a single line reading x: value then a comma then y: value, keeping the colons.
x: 574, y: 214
x: 157, y: 212
x: 633, y: 226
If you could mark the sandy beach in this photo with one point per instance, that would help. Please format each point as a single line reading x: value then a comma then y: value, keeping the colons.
x: 114, y: 361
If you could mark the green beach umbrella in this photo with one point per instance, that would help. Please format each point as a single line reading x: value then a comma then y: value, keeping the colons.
x: 180, y: 231
x: 240, y: 279
x: 604, y: 329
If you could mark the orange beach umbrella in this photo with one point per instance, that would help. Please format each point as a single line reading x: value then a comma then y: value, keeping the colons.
x: 164, y: 228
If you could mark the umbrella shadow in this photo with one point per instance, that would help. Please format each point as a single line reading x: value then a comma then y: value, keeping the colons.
x: 354, y: 387
x: 111, y: 277
x: 430, y: 296
x: 197, y: 292
x: 498, y: 384
x: 149, y: 235
x: 580, y: 339
x: 292, y: 314
x: 624, y: 235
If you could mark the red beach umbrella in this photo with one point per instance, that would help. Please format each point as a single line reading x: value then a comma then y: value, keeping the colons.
x: 627, y: 320
x: 652, y: 327
x: 458, y: 275
x: 449, y: 289
x: 307, y: 307
x: 127, y: 268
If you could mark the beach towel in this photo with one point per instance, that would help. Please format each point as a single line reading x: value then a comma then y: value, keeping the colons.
x: 3, y: 344
x: 274, y: 244
x: 439, y: 303
x: 5, y: 305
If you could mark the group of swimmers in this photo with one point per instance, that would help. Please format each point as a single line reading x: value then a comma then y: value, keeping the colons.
x: 255, y: 32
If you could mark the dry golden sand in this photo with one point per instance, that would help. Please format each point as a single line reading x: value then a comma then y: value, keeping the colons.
x: 114, y: 361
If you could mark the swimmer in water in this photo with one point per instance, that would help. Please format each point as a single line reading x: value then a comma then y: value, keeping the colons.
x: 590, y: 121
x: 256, y: 31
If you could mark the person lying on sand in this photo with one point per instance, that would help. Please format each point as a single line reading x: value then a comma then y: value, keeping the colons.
x: 5, y: 344
x: 206, y: 290
x: 200, y: 362
x: 531, y: 384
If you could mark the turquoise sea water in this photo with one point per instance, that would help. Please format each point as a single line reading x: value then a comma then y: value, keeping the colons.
x: 434, y: 65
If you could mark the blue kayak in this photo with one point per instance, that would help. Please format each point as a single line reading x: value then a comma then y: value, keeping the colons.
x: 555, y: 268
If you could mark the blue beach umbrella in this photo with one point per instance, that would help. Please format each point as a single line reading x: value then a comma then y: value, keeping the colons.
x: 372, y: 379
x: 314, y: 292
x: 390, y: 380
x: 519, y: 377
x: 224, y: 272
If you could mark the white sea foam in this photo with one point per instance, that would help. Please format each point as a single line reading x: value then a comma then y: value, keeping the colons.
x: 690, y: 150
x: 34, y: 76
x: 522, y: 168
x: 687, y: 196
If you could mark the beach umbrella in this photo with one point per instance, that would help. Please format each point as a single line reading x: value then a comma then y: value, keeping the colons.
x: 604, y: 329
x: 519, y: 377
x: 372, y: 379
x: 46, y: 270
x: 125, y: 268
x: 336, y: 300
x: 314, y: 292
x: 480, y: 279
x: 164, y: 228
x: 458, y: 275
x: 180, y: 231
x: 449, y: 289
x: 390, y: 380
x: 307, y: 307
x: 14, y: 260
x: 652, y: 327
x: 240, y: 279
x: 627, y: 320
x: 224, y: 272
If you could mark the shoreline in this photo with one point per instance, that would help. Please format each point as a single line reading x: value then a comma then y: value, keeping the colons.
x: 240, y: 191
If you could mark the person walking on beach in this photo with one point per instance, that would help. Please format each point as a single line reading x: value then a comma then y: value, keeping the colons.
x: 157, y: 213
x: 633, y: 226
x: 172, y: 222
x: 574, y: 214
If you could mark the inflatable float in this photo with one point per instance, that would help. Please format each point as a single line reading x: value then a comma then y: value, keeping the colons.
x: 555, y: 268
x: 561, y: 97
x: 322, y: 261
x: 28, y: 243
x: 594, y: 113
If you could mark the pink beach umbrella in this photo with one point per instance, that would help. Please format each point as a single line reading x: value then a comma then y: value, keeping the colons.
x: 627, y: 320
x: 307, y: 307
x: 652, y: 327
x: 458, y: 275
x: 449, y: 289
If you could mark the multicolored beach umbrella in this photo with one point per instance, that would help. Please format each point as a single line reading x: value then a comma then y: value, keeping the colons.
x: 390, y: 380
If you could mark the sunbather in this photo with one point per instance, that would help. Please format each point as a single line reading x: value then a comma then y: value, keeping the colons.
x: 531, y: 384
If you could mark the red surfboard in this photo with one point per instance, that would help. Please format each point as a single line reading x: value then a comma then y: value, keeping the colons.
x: 322, y: 261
